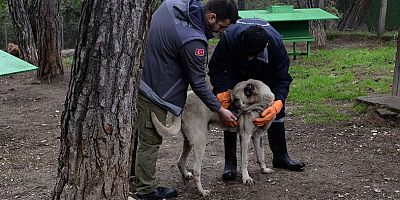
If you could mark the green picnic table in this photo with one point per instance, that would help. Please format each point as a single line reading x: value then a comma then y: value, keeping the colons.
x: 291, y: 23
x: 10, y: 64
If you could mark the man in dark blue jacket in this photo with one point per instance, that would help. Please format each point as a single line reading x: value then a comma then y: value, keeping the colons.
x: 175, y: 57
x: 252, y: 48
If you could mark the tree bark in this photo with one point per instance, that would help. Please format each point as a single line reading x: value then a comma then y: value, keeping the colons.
x: 48, y: 39
x: 353, y: 15
x: 19, y: 12
x: 317, y: 28
x: 396, y: 76
x: 97, y: 125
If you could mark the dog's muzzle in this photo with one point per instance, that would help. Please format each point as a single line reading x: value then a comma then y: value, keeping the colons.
x: 236, y: 107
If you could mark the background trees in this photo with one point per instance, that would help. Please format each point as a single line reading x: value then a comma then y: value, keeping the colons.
x: 70, y: 14
x: 36, y: 25
x: 97, y: 125
x: 70, y: 11
x: 316, y: 26
x: 353, y: 15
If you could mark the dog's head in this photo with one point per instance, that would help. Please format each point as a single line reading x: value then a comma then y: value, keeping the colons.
x: 249, y: 95
x: 13, y: 49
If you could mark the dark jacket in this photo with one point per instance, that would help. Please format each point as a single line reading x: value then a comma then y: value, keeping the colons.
x: 228, y: 64
x: 175, y: 56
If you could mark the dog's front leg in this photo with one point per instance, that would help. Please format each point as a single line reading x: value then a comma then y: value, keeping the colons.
x: 245, y: 141
x: 259, y: 147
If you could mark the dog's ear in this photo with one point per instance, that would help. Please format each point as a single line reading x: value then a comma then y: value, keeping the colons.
x: 249, y: 90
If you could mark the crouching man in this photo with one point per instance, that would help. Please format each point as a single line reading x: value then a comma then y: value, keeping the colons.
x: 253, y: 49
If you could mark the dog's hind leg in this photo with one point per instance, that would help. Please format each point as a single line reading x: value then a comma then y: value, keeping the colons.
x: 259, y: 148
x: 245, y: 141
x: 183, y: 158
x: 198, y: 151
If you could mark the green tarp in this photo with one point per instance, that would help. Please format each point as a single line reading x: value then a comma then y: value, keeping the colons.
x: 10, y: 64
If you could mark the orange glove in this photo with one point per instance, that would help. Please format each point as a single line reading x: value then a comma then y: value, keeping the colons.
x: 225, y: 99
x: 268, y: 114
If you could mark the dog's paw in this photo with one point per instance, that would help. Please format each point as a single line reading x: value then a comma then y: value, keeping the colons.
x: 188, y: 176
x: 248, y: 181
x: 267, y: 171
x: 205, y: 193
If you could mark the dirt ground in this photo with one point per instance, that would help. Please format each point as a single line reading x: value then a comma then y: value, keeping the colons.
x: 357, y: 159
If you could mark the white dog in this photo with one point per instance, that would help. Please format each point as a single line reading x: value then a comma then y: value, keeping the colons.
x: 249, y: 99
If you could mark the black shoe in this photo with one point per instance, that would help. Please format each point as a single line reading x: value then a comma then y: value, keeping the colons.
x: 229, y: 176
x: 159, y: 193
x: 288, y: 164
x: 229, y: 173
x: 277, y: 143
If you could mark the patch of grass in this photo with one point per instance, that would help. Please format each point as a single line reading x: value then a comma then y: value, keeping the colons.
x: 359, y: 107
x: 387, y: 35
x: 339, y: 75
x: 67, y: 61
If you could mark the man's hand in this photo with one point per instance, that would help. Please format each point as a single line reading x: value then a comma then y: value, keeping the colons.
x: 225, y: 99
x: 269, y: 114
x: 227, y: 117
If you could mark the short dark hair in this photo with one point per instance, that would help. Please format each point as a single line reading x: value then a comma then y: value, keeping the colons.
x: 224, y: 9
x: 254, y: 40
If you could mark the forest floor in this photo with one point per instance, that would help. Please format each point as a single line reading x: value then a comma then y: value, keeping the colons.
x: 356, y: 159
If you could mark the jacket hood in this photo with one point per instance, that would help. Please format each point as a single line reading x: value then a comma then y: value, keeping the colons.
x: 192, y: 11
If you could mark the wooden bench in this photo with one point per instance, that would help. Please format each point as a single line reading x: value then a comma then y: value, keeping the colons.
x: 295, y: 32
x: 291, y: 23
x: 295, y: 40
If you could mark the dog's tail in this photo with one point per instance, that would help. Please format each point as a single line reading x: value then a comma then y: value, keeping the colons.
x: 165, y: 131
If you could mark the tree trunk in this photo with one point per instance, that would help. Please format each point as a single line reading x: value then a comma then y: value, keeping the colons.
x: 396, y: 76
x: 19, y: 12
x: 97, y: 125
x: 353, y: 15
x: 317, y: 28
x: 48, y: 39
x: 241, y: 4
x: 318, y: 31
x: 382, y: 18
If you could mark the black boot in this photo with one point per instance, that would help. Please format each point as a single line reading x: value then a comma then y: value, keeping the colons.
x: 277, y: 143
x: 159, y: 193
x: 230, y: 156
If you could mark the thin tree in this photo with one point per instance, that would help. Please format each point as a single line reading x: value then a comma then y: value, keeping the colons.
x: 382, y: 17
x: 353, y: 16
x: 317, y: 28
x: 241, y: 4
x: 97, y: 125
x: 396, y: 76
